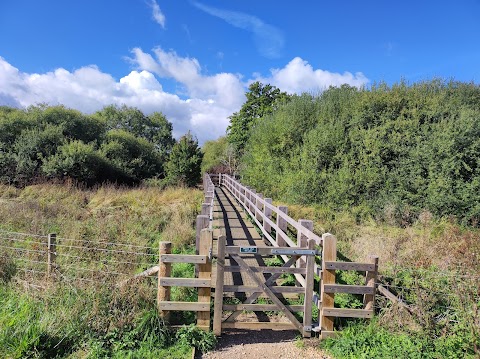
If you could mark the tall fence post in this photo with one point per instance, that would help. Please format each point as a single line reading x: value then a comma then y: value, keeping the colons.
x: 282, y: 224
x: 371, y: 278
x: 51, y: 254
x: 268, y: 214
x: 328, y: 277
x: 302, y: 239
x: 218, y: 302
x: 202, y: 222
x: 309, y: 283
x: 164, y: 271
x: 205, y: 272
x: 205, y: 209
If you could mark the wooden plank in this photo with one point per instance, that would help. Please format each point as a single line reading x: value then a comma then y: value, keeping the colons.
x: 184, y: 282
x: 261, y: 307
x: 268, y: 269
x: 205, y: 272
x: 164, y: 270
x: 347, y: 313
x: 351, y: 289
x: 281, y: 227
x: 202, y: 222
x: 258, y: 325
x: 328, y: 277
x: 268, y: 215
x: 181, y: 306
x: 270, y: 294
x: 309, y: 279
x: 371, y: 278
x: 252, y: 289
x: 183, y: 258
x: 302, y: 240
x: 218, y: 301
x: 361, y: 267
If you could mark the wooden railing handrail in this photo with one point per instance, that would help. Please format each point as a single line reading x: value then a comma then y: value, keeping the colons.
x: 226, y: 179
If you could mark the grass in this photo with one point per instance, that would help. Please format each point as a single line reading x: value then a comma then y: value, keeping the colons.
x: 105, y: 235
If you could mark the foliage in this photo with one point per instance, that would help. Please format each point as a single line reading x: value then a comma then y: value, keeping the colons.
x: 194, y: 336
x: 262, y: 100
x: 116, y: 144
x: 185, y: 162
x: 214, y: 154
x: 408, y: 147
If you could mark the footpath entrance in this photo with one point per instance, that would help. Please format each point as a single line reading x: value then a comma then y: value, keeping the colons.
x: 263, y: 261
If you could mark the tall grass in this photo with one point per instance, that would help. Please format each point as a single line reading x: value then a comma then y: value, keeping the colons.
x: 87, y: 310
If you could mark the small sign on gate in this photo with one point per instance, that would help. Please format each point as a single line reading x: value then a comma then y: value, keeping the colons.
x: 248, y: 249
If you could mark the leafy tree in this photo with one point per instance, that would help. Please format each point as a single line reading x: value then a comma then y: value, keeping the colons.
x: 184, y: 165
x: 262, y: 100
x: 136, y: 157
x: 81, y: 162
x: 154, y: 128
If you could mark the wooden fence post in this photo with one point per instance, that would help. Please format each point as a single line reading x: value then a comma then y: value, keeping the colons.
x: 282, y: 224
x: 205, y: 209
x: 51, y: 254
x: 309, y: 282
x: 328, y: 277
x: 219, y: 179
x: 302, y: 239
x: 268, y: 213
x: 202, y: 222
x: 252, y: 199
x: 258, y: 207
x: 164, y: 271
x: 205, y: 272
x: 218, y: 303
x: 371, y: 278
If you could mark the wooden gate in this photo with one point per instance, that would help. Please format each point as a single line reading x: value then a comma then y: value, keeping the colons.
x: 263, y: 280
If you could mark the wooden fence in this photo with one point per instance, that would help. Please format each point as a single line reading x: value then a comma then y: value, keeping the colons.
x: 276, y: 232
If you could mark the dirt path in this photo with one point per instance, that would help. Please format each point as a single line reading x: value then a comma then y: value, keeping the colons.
x: 265, y: 344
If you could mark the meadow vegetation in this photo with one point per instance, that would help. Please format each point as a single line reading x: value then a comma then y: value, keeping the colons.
x: 392, y: 171
x: 92, y: 308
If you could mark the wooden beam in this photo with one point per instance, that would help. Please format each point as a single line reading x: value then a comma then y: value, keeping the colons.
x: 361, y: 267
x: 205, y: 273
x: 351, y: 289
x: 183, y: 258
x: 181, y: 306
x: 164, y: 270
x: 347, y: 313
x: 268, y: 269
x: 261, y: 307
x: 218, y: 301
x: 258, y: 325
x: 184, y: 282
x: 328, y: 277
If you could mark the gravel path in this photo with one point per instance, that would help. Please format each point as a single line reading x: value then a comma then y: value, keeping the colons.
x: 265, y: 344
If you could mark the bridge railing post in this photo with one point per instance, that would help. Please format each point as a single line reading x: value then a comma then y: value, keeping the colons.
x: 282, y: 224
x: 267, y: 211
x: 259, y: 207
x: 302, y: 239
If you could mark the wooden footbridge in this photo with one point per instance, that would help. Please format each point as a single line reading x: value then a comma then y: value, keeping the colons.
x: 252, y: 258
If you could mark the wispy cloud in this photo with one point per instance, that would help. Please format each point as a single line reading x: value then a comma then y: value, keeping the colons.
x: 268, y: 39
x: 158, y: 15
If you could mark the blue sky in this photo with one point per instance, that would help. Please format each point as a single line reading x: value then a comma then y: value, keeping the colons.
x: 193, y: 60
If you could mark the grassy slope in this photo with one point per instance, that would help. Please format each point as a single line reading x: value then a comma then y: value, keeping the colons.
x: 91, y: 317
x: 434, y: 265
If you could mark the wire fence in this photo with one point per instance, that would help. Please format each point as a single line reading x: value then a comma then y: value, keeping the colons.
x: 33, y: 255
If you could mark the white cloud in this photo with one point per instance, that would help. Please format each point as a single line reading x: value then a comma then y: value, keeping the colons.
x: 299, y: 76
x: 157, y: 13
x: 203, y: 107
x: 268, y: 39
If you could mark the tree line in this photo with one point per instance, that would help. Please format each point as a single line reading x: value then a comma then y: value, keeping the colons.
x: 389, y: 149
x: 118, y: 144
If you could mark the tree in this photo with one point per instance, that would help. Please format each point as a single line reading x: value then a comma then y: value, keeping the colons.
x: 184, y: 165
x: 155, y: 128
x: 262, y: 100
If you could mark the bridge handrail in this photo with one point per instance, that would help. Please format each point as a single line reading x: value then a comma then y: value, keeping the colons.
x: 236, y: 188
